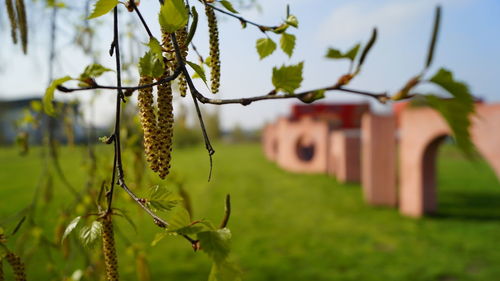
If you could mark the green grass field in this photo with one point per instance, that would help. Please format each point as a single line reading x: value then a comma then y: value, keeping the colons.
x: 290, y: 226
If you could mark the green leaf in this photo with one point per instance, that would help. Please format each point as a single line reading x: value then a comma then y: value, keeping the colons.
x: 199, y: 71
x: 162, y: 205
x: 243, y: 24
x: 158, y: 192
x: 162, y: 199
x: 158, y: 68
x: 281, y: 28
x: 313, y: 96
x: 90, y: 233
x: 158, y: 237
x: 189, y: 230
x: 265, y: 47
x: 93, y: 71
x: 173, y: 15
x: 208, y: 60
x: 146, y: 64
x: 194, y: 25
x: 102, y: 7
x: 225, y: 271
x: 292, y: 21
x: 151, y: 64
x: 155, y: 47
x: 457, y: 89
x: 216, y: 243
x: 288, y: 78
x: 55, y: 4
x: 456, y: 111
x: 336, y: 54
x: 179, y: 218
x: 71, y: 226
x: 48, y: 107
x: 287, y: 43
x: 228, y: 6
x: 353, y: 52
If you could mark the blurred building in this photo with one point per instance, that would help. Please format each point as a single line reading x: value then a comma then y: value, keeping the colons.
x: 338, y: 116
x: 16, y: 115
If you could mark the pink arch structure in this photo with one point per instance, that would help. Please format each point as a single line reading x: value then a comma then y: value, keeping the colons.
x: 421, y: 132
x: 309, y: 146
x: 297, y: 146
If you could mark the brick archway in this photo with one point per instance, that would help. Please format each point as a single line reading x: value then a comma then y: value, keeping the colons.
x: 422, y: 131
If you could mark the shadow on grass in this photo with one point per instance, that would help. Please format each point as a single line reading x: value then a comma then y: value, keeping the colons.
x: 461, y: 205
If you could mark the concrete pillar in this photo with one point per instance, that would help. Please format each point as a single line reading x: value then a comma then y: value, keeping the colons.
x: 486, y: 134
x: 344, y: 155
x: 378, y: 159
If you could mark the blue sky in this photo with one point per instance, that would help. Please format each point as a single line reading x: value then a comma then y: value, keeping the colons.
x: 469, y: 45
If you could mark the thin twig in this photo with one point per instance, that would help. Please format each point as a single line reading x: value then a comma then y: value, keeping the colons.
x: 132, y: 3
x: 200, y: 57
x: 96, y: 86
x: 246, y: 101
x: 263, y: 28
x: 194, y: 94
x: 156, y: 219
x: 117, y: 164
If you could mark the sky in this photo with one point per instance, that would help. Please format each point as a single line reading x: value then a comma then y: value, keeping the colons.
x: 468, y: 44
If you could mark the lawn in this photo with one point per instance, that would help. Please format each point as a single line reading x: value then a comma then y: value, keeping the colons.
x: 288, y: 226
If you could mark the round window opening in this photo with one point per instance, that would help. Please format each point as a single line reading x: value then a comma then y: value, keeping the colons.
x: 305, y: 148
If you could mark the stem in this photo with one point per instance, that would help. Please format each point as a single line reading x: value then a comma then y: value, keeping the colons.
x: 117, y: 172
x: 142, y: 19
x: 247, y: 101
x: 174, y: 75
x: 263, y: 28
x: 117, y: 163
x: 227, y: 212
x: 194, y: 94
x: 156, y: 219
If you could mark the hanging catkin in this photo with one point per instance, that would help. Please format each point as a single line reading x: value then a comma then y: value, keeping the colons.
x: 17, y: 266
x: 181, y: 36
x: 23, y: 24
x: 148, y: 122
x: 214, y: 49
x: 109, y: 248
x: 165, y: 128
x: 12, y: 19
x: 165, y: 114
